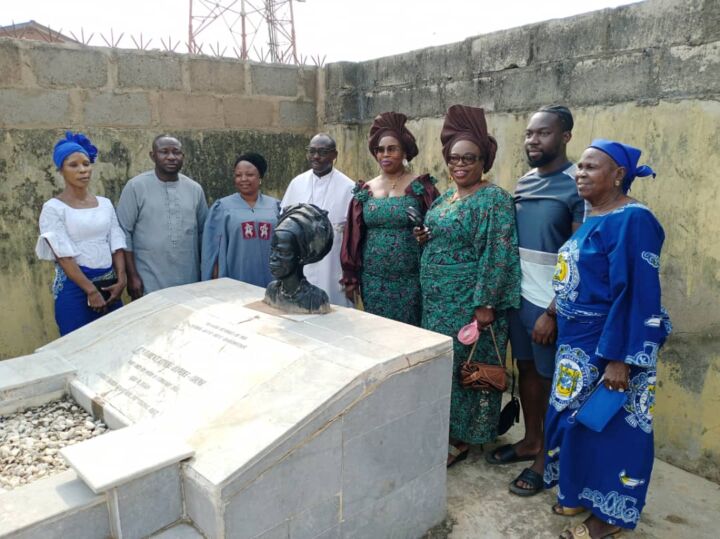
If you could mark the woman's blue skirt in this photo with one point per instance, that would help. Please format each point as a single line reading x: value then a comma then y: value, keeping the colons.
x: 71, y: 304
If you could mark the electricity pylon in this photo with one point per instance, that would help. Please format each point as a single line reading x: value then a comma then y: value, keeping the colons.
x: 261, y: 29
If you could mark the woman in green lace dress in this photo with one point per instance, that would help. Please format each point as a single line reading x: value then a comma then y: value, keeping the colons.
x: 380, y: 257
x: 470, y: 269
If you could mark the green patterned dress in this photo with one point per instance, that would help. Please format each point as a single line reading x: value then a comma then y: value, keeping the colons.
x: 471, y: 261
x: 388, y: 266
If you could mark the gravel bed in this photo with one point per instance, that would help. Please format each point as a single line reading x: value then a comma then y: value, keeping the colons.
x: 30, y: 440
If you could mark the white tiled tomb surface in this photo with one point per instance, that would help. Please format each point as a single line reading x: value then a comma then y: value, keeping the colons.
x: 246, y: 422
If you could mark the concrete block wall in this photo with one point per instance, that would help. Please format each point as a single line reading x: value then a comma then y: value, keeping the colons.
x: 657, y: 49
x: 122, y: 99
x: 647, y: 74
x: 51, y: 85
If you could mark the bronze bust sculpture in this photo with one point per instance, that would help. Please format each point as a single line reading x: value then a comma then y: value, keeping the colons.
x: 303, y: 235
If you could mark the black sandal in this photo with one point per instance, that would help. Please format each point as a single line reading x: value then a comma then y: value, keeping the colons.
x: 506, y: 454
x: 455, y: 454
x: 532, y: 478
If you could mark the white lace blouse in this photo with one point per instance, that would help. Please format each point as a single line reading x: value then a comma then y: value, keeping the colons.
x: 89, y: 235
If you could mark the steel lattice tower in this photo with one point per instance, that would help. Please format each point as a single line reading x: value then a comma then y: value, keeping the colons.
x: 261, y: 29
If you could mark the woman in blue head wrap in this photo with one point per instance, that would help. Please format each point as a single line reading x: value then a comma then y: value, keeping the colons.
x: 80, y: 233
x: 611, y: 325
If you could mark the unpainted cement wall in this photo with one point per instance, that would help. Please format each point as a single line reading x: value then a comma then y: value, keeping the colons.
x: 647, y: 74
x: 122, y: 100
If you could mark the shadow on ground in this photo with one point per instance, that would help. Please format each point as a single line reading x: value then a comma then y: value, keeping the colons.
x: 679, y: 505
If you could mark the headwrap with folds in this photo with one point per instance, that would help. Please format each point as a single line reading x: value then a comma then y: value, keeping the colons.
x: 72, y: 143
x: 312, y: 229
x: 624, y: 156
x: 468, y: 123
x: 393, y: 124
x: 256, y: 160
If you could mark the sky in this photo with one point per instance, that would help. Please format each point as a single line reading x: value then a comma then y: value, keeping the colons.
x: 331, y: 30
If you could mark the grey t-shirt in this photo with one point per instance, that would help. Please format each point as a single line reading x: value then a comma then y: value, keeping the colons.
x: 546, y: 206
x: 163, y: 223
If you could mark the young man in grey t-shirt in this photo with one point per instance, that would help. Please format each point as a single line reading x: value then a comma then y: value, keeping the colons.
x: 548, y: 210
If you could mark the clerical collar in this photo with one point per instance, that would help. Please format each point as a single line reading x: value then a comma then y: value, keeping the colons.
x: 328, y: 175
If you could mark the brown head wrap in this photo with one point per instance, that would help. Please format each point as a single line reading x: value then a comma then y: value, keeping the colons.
x: 468, y: 123
x: 393, y: 124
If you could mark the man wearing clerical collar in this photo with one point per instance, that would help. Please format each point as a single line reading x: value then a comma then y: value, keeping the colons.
x: 331, y: 190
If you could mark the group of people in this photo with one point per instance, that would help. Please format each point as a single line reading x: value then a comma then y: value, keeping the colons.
x: 149, y: 242
x: 162, y: 233
x: 566, y: 269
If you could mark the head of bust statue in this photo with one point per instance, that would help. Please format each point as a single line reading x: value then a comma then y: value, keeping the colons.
x: 303, y: 235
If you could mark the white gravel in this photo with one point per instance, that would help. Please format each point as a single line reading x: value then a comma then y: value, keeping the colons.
x: 30, y: 440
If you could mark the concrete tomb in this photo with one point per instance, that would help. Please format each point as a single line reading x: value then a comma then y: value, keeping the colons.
x: 232, y: 419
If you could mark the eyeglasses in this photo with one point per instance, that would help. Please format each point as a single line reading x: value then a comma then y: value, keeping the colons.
x: 389, y: 150
x: 322, y: 152
x: 467, y: 159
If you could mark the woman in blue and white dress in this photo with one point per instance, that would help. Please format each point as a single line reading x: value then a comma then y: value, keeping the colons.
x: 610, y: 327
x: 80, y: 233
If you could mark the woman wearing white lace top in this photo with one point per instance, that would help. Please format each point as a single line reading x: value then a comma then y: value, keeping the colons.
x: 80, y: 233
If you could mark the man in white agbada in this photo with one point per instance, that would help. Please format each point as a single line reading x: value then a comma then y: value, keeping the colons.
x: 330, y: 190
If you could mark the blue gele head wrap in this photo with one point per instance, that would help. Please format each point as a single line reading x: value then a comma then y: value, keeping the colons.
x: 72, y: 143
x: 624, y: 156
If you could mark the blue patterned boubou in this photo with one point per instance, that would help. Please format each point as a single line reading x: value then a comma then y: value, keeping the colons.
x: 603, y: 315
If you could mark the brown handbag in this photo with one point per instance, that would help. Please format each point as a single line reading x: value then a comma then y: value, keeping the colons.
x: 482, y: 376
